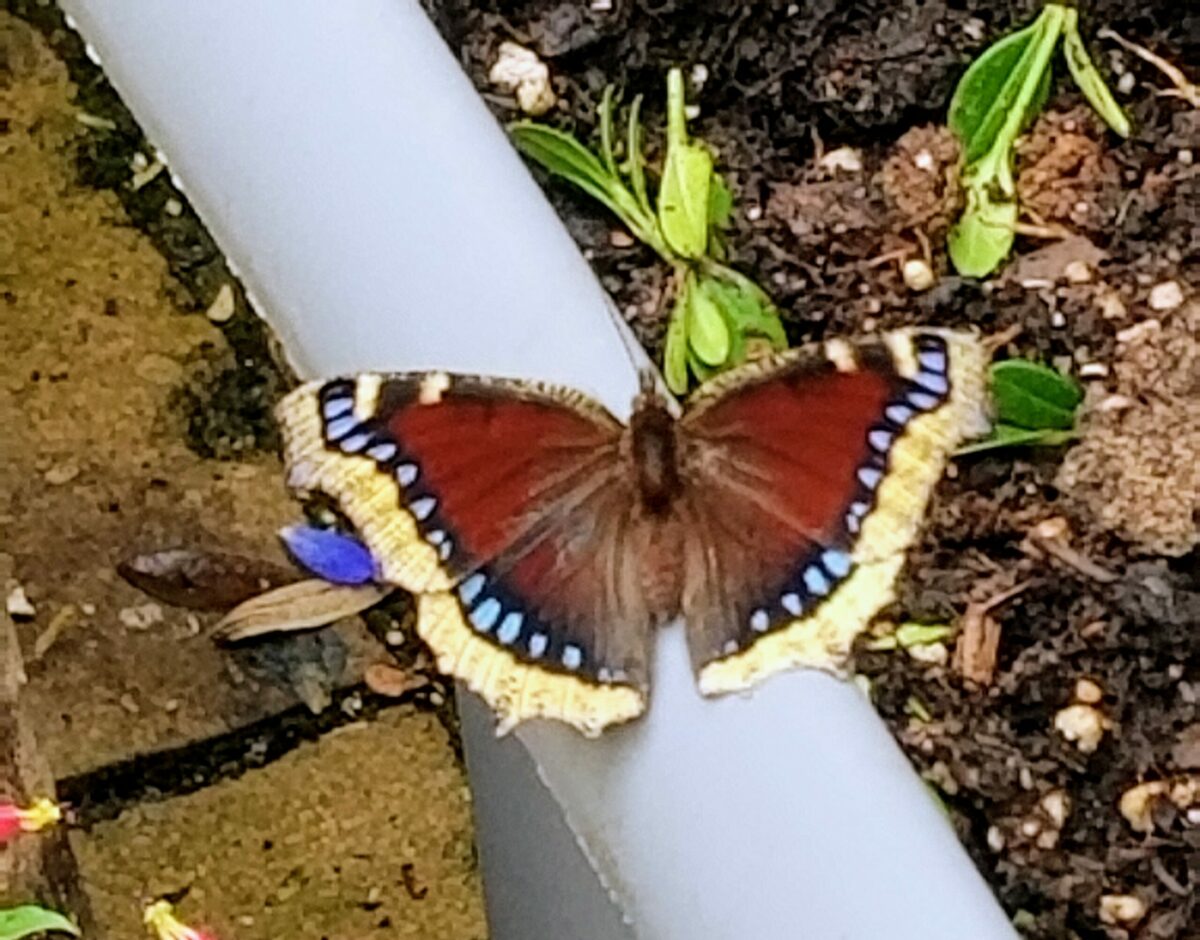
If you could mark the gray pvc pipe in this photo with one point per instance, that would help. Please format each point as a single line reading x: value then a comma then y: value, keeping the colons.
x: 380, y: 220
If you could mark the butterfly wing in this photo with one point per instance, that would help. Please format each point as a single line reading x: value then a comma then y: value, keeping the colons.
x: 807, y: 478
x: 505, y: 507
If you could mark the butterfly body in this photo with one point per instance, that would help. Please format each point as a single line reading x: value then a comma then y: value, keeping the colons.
x: 545, y: 540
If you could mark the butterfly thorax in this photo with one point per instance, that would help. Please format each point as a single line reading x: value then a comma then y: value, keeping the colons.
x: 654, y: 452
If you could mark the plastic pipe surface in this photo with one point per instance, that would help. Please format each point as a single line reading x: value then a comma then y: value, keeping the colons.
x: 380, y: 220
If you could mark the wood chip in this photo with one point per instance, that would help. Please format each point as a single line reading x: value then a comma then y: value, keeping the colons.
x: 393, y: 681
x: 979, y: 637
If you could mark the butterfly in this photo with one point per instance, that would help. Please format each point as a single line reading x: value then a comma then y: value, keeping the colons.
x: 544, y: 540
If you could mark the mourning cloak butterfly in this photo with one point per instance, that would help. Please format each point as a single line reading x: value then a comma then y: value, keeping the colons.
x: 544, y: 539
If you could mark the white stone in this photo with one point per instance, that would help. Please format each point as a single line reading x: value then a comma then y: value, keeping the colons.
x: 1166, y: 296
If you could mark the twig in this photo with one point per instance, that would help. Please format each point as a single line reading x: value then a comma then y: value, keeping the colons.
x: 1183, y: 88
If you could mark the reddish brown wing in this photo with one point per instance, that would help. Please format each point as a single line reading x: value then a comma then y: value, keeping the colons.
x: 506, y: 507
x: 807, y: 477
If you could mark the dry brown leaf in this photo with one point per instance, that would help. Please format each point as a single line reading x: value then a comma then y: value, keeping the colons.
x: 198, y: 580
x: 309, y: 603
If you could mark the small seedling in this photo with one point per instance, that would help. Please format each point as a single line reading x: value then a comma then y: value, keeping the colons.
x: 1036, y: 406
x: 717, y: 313
x: 996, y: 99
x: 29, y: 919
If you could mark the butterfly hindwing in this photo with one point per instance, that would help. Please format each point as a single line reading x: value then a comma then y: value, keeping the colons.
x: 809, y: 475
x: 492, y: 501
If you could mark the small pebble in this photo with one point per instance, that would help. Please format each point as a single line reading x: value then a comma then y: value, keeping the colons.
x: 61, y: 473
x: 18, y: 604
x: 1093, y: 370
x: 923, y: 160
x: 619, y: 238
x: 1088, y: 692
x: 223, y: 306
x: 917, y: 274
x: 1166, y: 296
x: 1111, y: 306
x: 1185, y: 157
x: 995, y: 839
x: 842, y: 158
x: 1121, y: 909
x: 1058, y: 320
x: 129, y: 703
x: 1077, y: 272
x: 1125, y: 83
x: 754, y: 213
x: 142, y: 616
x: 394, y: 637
x: 173, y: 207
x: 520, y: 71
x: 1082, y: 725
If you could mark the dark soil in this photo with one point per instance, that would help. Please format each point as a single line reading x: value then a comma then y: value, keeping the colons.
x: 787, y: 83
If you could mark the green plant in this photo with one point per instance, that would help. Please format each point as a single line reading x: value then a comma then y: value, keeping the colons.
x: 998, y: 97
x: 1036, y: 406
x: 29, y: 919
x: 715, y: 311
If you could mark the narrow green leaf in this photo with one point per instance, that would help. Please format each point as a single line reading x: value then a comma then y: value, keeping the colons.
x: 1005, y: 435
x: 24, y: 921
x: 561, y: 154
x: 675, y: 354
x: 1033, y: 396
x: 708, y: 333
x: 636, y: 159
x: 1088, y: 78
x: 606, y: 132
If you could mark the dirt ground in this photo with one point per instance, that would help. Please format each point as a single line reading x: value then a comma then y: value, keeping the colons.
x: 115, y: 395
x: 1101, y: 538
x: 780, y: 85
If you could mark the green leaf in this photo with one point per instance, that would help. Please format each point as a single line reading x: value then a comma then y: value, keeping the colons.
x: 636, y: 160
x: 746, y: 305
x: 708, y: 333
x: 675, y: 353
x: 986, y: 92
x: 995, y: 99
x: 910, y: 634
x: 983, y: 236
x: 720, y: 202
x: 561, y: 154
x: 1089, y: 79
x: 1033, y: 396
x: 1006, y: 435
x: 686, y: 181
x: 18, y: 922
x: 683, y: 199
x: 606, y: 132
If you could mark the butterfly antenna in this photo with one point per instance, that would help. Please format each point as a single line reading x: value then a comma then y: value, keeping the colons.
x: 650, y: 381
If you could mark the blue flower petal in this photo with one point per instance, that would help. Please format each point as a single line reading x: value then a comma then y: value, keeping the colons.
x: 330, y: 554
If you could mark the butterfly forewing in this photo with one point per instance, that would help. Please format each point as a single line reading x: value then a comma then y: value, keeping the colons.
x: 505, y: 506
